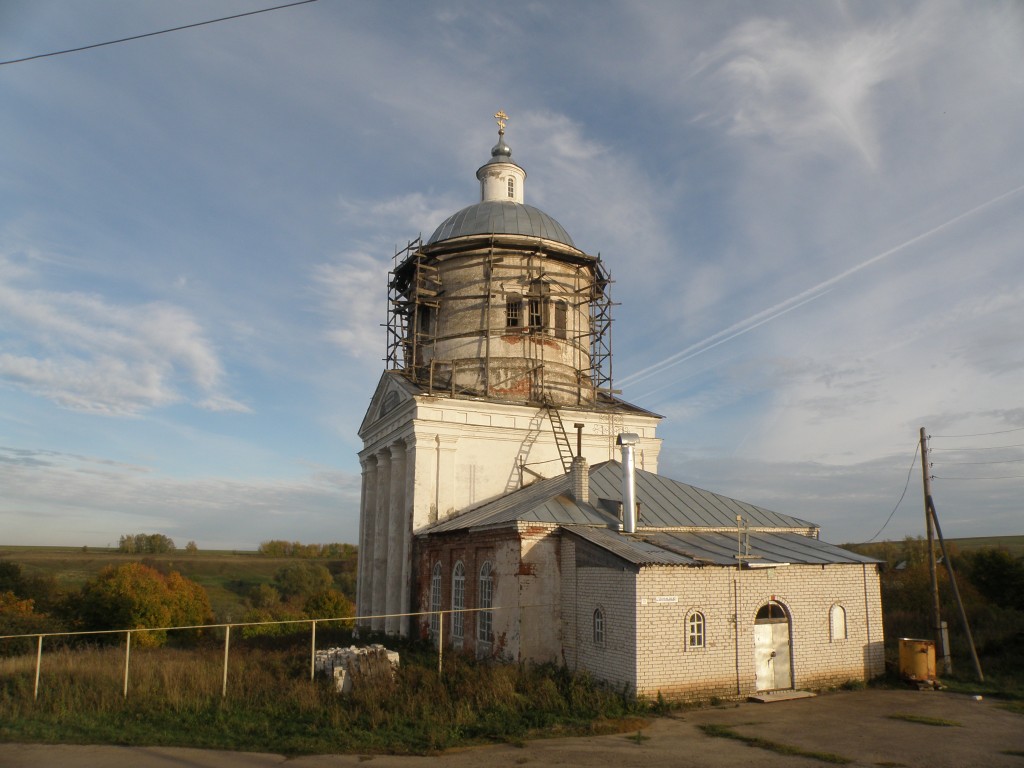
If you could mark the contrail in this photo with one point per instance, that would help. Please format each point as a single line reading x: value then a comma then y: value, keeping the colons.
x: 794, y: 302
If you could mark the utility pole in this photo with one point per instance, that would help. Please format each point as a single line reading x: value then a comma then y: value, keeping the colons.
x: 941, y: 639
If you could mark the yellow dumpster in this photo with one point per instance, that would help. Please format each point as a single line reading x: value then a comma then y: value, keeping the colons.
x: 917, y: 659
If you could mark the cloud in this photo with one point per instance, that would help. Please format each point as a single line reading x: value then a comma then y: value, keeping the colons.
x: 351, y: 296
x: 52, y: 497
x: 810, y: 92
x: 86, y: 353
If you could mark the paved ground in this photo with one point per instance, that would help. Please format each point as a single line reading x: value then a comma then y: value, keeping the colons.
x: 855, y: 725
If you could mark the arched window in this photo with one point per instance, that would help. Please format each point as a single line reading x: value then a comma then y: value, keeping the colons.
x: 485, y: 595
x: 695, y: 630
x: 435, y: 600
x: 511, y: 186
x: 458, y: 599
x: 837, y: 622
x: 599, y: 627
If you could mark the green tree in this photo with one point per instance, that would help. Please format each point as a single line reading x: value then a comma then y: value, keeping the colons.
x: 135, y: 596
x: 328, y: 604
x: 302, y: 579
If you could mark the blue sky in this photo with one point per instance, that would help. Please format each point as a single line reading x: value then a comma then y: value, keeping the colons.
x: 813, y: 212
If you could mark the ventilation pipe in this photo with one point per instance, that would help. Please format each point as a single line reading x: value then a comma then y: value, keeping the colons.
x: 628, y: 440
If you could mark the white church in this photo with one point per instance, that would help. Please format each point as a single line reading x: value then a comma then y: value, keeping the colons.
x: 514, y: 502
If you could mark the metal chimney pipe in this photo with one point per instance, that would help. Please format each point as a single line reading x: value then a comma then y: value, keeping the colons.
x: 628, y: 440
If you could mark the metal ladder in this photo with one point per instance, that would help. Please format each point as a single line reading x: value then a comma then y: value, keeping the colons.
x: 561, y: 439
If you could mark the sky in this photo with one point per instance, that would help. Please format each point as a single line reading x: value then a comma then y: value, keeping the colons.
x: 813, y: 213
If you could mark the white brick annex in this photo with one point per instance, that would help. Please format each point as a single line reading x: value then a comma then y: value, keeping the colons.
x: 492, y: 480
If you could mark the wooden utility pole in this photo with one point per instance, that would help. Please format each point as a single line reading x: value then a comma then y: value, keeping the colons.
x: 932, y: 518
x: 940, y: 641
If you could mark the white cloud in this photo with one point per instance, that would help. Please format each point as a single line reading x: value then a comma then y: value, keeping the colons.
x: 808, y: 91
x: 52, y: 497
x: 87, y: 353
x: 352, y: 297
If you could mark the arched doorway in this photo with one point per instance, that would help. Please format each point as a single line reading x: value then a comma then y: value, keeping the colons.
x: 772, y: 667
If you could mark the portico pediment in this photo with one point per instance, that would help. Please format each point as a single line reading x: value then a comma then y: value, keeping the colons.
x: 393, y: 391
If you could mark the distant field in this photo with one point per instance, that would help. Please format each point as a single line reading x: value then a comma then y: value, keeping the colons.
x: 1012, y: 544
x: 227, y: 576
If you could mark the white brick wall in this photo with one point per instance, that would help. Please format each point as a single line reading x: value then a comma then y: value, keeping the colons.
x: 645, y: 625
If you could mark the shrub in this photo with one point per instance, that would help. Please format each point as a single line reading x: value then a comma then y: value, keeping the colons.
x: 135, y: 596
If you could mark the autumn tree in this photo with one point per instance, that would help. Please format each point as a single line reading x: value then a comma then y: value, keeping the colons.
x: 135, y: 596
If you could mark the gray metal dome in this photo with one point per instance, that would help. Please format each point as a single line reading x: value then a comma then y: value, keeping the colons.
x: 501, y: 218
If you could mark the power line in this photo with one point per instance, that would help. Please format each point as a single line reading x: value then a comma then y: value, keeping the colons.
x: 152, y: 34
x: 980, y: 448
x: 983, y: 434
x: 907, y: 485
x: 999, y: 477
x: 976, y: 463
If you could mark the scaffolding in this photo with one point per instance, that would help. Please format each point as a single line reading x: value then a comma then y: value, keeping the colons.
x: 415, y: 294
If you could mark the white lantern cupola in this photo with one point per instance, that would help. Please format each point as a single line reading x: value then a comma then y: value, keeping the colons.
x: 501, y: 180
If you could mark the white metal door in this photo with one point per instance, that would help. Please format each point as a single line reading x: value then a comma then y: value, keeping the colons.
x: 771, y: 656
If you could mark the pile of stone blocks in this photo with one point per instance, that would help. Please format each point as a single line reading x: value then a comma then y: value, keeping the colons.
x: 351, y: 667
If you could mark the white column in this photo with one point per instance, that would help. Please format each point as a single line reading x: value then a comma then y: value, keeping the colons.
x: 380, y: 537
x: 367, y: 525
x: 412, y: 456
x: 396, y: 528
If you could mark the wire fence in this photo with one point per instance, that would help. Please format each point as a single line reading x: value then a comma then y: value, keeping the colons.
x: 351, y: 622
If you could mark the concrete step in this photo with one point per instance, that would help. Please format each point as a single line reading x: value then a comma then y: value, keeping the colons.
x: 770, y: 697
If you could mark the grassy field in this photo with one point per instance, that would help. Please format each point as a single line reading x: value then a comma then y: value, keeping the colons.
x: 227, y: 576
x: 1012, y: 544
x: 174, y: 699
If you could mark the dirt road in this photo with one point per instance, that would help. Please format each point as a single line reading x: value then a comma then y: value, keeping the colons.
x: 859, y: 726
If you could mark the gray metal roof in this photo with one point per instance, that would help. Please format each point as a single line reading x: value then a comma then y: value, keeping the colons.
x: 664, y: 504
x: 667, y: 503
x: 716, y: 548
x: 501, y: 217
x: 546, y: 501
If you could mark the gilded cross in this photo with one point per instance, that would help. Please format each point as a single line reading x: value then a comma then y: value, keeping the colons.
x: 501, y: 117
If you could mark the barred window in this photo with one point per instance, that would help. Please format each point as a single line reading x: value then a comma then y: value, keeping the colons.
x: 599, y: 627
x: 485, y: 620
x: 695, y: 630
x: 435, y: 600
x: 458, y: 599
x: 513, y: 312
x: 511, y: 186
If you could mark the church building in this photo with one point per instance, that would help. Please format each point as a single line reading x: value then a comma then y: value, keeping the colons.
x: 513, y: 501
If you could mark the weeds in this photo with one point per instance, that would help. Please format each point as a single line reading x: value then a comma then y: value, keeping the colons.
x: 174, y: 699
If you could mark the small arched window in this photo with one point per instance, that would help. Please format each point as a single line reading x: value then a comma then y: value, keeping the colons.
x: 484, y: 624
x: 599, y: 628
x: 695, y: 630
x: 511, y: 187
x: 837, y: 623
x: 435, y: 600
x: 458, y: 599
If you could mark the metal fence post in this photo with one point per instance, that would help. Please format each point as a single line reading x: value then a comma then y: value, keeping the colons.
x: 227, y: 644
x: 127, y: 656
x: 39, y: 659
x: 440, y: 640
x: 312, y: 652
